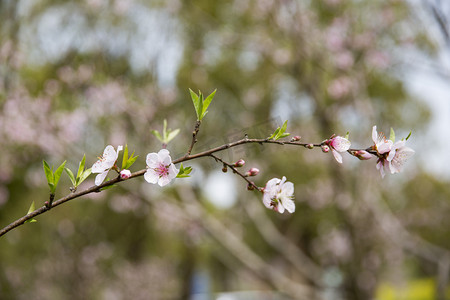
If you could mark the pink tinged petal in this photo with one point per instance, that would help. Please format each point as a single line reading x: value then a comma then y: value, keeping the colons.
x: 402, y: 155
x: 384, y: 146
x: 151, y: 176
x: 100, y: 177
x: 380, y: 167
x: 110, y: 154
x: 340, y: 144
x: 98, y: 167
x: 164, y: 157
x: 374, y: 134
x: 163, y: 180
x: 173, y: 171
x: 289, y: 205
x: 280, y: 208
x: 152, y: 160
x: 267, y: 200
x: 337, y: 156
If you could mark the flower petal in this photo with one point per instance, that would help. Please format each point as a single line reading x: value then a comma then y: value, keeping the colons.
x: 337, y: 155
x: 340, y: 144
x: 98, y: 167
x: 280, y: 208
x: 173, y: 171
x: 164, y: 156
x: 151, y: 176
x: 152, y: 160
x: 289, y: 205
x: 100, y: 177
x: 374, y: 134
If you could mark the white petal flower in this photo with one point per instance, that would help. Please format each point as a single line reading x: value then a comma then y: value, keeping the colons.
x: 338, y: 144
x: 382, y: 145
x: 105, y: 163
x: 278, y: 195
x: 160, y: 170
x: 400, y: 156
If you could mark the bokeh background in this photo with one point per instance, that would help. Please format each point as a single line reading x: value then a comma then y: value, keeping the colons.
x: 76, y: 76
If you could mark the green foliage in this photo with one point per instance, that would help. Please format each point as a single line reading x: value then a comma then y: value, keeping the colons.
x: 128, y: 161
x: 53, y: 177
x: 82, y: 174
x: 167, y: 135
x: 279, y: 132
x: 30, y: 210
x: 201, y: 105
x: 184, y: 172
x: 392, y: 135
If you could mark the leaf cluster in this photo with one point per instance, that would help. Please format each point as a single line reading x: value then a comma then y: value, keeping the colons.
x: 200, y: 104
x: 279, y: 132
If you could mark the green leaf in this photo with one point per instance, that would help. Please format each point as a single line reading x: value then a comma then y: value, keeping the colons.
x: 158, y: 136
x: 172, y: 135
x: 274, y: 134
x: 130, y: 161
x: 207, y: 102
x: 283, y: 135
x: 81, y: 166
x: 57, y: 174
x: 284, y: 127
x: 184, y: 172
x: 200, y: 104
x: 125, y: 157
x: 392, y: 135
x: 83, y: 176
x: 409, y: 135
x: 196, y: 102
x: 48, y: 173
x: 30, y: 210
x: 347, y: 135
x: 71, y: 176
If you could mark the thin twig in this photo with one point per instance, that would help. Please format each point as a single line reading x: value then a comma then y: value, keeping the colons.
x: 187, y: 157
x: 194, y: 136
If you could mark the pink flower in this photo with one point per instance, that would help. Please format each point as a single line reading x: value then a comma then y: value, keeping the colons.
x: 161, y: 170
x: 252, y: 172
x: 390, y: 156
x: 362, y: 154
x: 105, y: 163
x: 338, y: 144
x: 125, y: 174
x: 278, y: 195
x: 398, y: 155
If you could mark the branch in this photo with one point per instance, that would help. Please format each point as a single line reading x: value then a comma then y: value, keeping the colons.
x: 187, y: 157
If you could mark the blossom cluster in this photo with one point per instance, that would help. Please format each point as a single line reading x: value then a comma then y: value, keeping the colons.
x: 278, y: 194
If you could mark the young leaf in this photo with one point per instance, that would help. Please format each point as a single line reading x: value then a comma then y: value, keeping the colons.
x: 200, y: 104
x: 158, y: 135
x: 81, y: 166
x: 196, y: 102
x: 284, y: 127
x: 207, y: 102
x: 347, y: 135
x: 83, y: 176
x: 48, y: 173
x: 71, y: 176
x: 165, y: 130
x: 409, y: 135
x: 125, y: 157
x: 57, y: 175
x: 184, y: 172
x: 172, y: 135
x: 392, y: 135
x: 283, y: 135
x: 30, y: 210
x: 130, y: 161
x: 274, y: 134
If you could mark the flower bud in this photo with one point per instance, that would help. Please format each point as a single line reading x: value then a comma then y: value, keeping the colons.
x: 239, y: 163
x: 310, y: 146
x: 325, y: 149
x: 296, y: 138
x: 252, y: 172
x: 250, y: 187
x: 125, y: 174
x: 224, y: 169
x: 362, y: 154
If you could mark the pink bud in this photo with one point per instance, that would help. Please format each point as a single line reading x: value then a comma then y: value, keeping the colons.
x: 239, y: 163
x: 252, y: 172
x: 310, y: 146
x: 125, y: 174
x: 362, y: 154
x: 325, y: 149
x: 296, y: 138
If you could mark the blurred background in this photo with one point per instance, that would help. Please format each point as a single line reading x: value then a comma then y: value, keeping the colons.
x: 76, y: 76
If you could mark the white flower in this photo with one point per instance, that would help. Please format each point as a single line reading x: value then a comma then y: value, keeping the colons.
x: 382, y: 145
x: 278, y: 195
x: 105, y: 163
x: 339, y: 144
x: 398, y: 155
x: 161, y: 170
